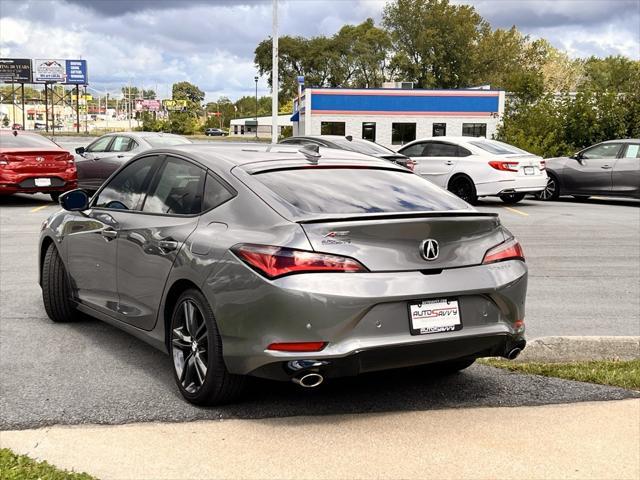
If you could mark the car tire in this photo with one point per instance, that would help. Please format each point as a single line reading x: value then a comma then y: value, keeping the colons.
x: 511, y: 198
x: 196, y: 350
x: 56, y: 291
x: 551, y: 191
x: 55, y: 196
x: 463, y: 187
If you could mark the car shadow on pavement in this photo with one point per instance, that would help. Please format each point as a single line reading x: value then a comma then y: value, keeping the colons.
x: 24, y: 200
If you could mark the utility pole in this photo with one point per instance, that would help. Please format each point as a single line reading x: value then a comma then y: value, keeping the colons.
x: 274, y: 76
x: 256, y: 79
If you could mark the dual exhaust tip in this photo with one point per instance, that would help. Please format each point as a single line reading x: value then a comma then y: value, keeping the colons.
x: 308, y: 380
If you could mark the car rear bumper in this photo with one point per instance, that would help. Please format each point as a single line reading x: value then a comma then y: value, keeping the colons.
x: 363, y: 317
x: 519, y: 184
x: 26, y: 184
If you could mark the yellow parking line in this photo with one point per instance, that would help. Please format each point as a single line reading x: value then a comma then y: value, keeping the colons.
x: 519, y: 212
x: 37, y: 209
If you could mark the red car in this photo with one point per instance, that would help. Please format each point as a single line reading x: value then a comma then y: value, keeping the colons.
x: 31, y: 163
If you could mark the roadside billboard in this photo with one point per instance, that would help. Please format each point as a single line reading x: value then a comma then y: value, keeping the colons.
x: 76, y: 72
x: 53, y: 70
x: 15, y: 70
x: 174, y: 104
x: 148, y: 105
x: 49, y: 70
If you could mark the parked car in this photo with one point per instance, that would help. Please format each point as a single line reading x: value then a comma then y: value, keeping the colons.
x: 474, y: 167
x: 31, y: 163
x: 215, y: 132
x: 215, y: 255
x: 106, y: 154
x: 17, y: 126
x: 353, y: 145
x: 609, y: 168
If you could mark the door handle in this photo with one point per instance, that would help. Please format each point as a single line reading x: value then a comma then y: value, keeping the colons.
x: 168, y: 245
x: 448, y: 162
x: 120, y: 156
x: 606, y: 167
x: 109, y: 233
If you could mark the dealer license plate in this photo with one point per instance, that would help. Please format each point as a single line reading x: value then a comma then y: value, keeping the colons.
x: 529, y: 171
x: 43, y: 182
x: 434, y: 316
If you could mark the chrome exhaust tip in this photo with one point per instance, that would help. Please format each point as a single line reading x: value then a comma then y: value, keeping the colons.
x: 514, y: 353
x: 309, y: 380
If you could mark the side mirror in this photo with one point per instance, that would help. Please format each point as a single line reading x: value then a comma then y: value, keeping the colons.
x: 80, y: 150
x: 577, y: 156
x: 75, y: 200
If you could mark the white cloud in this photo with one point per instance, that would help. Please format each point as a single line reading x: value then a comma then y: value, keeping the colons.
x: 159, y: 42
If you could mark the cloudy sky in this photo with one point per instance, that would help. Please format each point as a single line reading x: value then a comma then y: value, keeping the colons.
x: 153, y: 43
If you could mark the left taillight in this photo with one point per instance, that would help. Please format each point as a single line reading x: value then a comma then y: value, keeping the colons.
x: 543, y: 165
x: 274, y: 262
x: 504, y: 166
x: 509, y: 250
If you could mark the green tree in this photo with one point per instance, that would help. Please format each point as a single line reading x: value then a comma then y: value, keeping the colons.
x: 615, y: 73
x: 433, y: 40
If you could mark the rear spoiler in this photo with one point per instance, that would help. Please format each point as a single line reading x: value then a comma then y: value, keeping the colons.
x: 394, y: 216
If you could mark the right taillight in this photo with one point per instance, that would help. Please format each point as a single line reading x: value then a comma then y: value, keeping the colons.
x: 274, y: 262
x: 509, y: 250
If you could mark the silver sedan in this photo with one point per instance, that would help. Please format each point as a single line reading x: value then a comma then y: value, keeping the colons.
x: 284, y: 264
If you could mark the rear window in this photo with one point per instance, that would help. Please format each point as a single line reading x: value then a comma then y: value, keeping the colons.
x: 163, y: 141
x: 356, y: 191
x: 362, y: 146
x: 26, y: 141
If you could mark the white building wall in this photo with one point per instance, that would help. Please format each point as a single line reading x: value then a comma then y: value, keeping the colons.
x: 424, y: 125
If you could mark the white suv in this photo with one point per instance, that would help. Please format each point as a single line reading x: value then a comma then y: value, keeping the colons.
x: 474, y: 167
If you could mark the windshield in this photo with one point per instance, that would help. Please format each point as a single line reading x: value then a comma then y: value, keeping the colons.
x: 26, y: 141
x: 166, y: 141
x: 357, y: 191
x: 363, y: 146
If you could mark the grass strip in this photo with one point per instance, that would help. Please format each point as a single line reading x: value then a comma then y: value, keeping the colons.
x: 625, y: 374
x: 21, y: 467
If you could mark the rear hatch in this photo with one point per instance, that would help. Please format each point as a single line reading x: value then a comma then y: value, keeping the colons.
x: 36, y: 161
x: 393, y: 243
x: 382, y: 217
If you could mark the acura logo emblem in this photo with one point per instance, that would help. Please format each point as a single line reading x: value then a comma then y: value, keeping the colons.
x: 39, y: 159
x: 430, y: 249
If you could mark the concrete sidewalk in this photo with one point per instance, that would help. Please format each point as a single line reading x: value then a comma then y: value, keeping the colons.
x: 577, y: 441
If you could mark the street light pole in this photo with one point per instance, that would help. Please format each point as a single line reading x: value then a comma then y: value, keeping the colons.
x: 274, y: 76
x: 256, y: 79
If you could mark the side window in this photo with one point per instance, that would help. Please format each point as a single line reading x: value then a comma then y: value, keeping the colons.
x: 606, y: 150
x: 463, y: 152
x: 633, y: 151
x: 414, y: 150
x: 215, y: 193
x: 120, y: 144
x: 100, y: 145
x: 178, y: 189
x: 125, y: 190
x: 438, y: 149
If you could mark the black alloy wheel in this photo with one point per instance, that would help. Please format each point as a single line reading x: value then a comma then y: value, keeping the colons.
x: 551, y: 191
x: 464, y: 188
x: 196, y: 350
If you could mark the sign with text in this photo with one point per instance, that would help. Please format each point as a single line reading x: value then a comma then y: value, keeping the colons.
x: 16, y: 70
x: 174, y: 104
x: 148, y: 105
x: 76, y: 71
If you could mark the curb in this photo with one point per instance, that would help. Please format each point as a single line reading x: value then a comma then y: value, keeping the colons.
x: 580, y: 349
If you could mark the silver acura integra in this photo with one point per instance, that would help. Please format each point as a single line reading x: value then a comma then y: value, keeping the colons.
x: 286, y: 264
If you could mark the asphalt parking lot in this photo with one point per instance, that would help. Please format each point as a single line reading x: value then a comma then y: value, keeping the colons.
x: 584, y: 261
